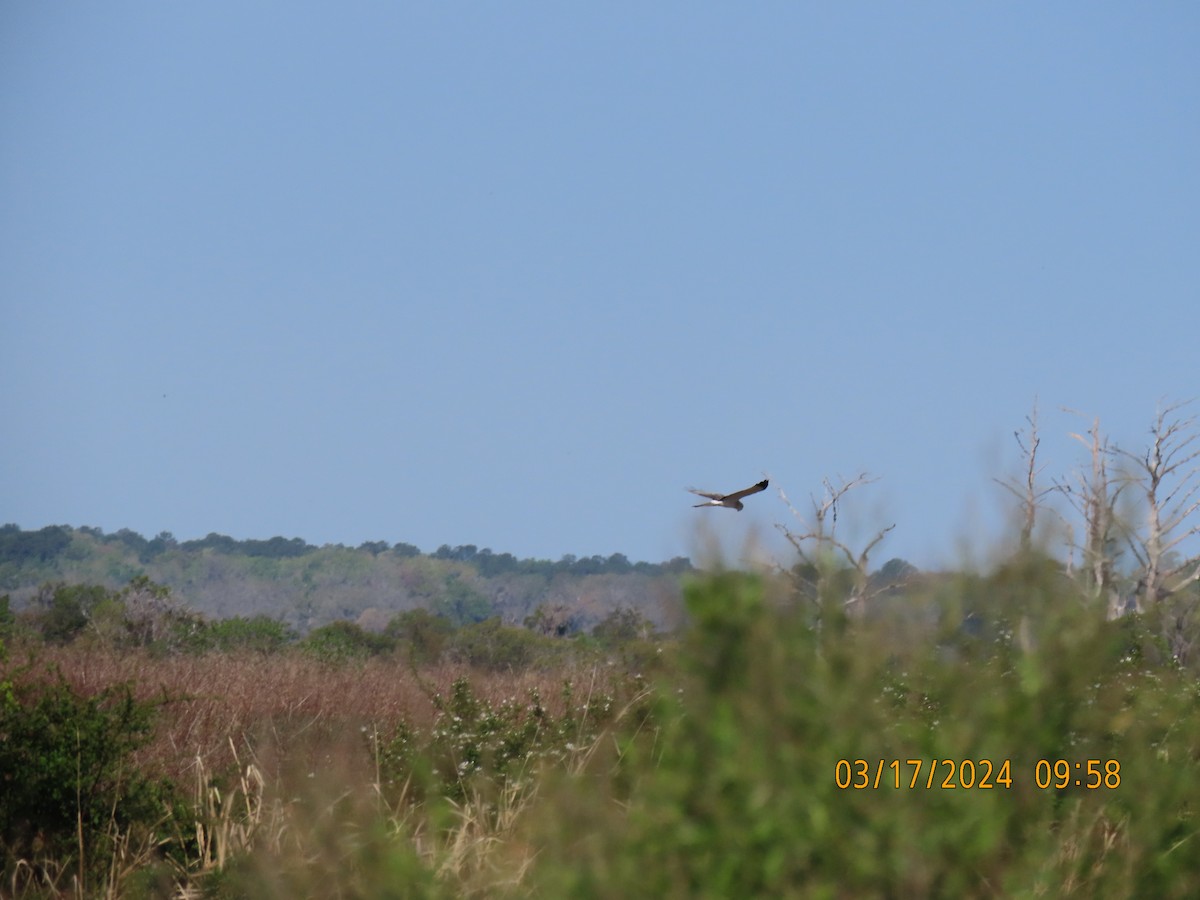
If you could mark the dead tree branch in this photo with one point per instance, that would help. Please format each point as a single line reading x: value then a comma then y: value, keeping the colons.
x: 1093, y: 494
x: 816, y: 574
x: 1165, y: 476
x: 1029, y: 495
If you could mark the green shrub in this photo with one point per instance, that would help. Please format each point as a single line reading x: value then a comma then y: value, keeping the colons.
x: 142, y: 614
x: 737, y: 795
x: 68, y: 785
x: 340, y: 642
x: 497, y: 647
x: 735, y: 775
x: 622, y: 626
x: 261, y: 634
x: 476, y: 745
x: 62, y: 611
x: 421, y: 635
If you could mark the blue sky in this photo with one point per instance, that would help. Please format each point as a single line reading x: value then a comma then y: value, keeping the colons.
x: 516, y: 274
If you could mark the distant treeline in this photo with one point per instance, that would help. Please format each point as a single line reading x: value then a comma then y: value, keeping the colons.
x: 308, y: 586
x: 21, y: 547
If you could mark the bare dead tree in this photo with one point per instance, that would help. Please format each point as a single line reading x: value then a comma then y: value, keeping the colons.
x: 1165, y: 476
x: 1027, y: 490
x: 819, y: 549
x: 1093, y: 494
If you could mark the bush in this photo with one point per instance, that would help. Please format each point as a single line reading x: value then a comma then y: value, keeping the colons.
x: 622, y: 626
x: 477, y: 745
x: 62, y: 611
x: 497, y: 647
x: 69, y: 784
x: 261, y: 634
x: 142, y: 614
x: 422, y: 635
x: 773, y: 758
x: 340, y: 642
x: 739, y: 795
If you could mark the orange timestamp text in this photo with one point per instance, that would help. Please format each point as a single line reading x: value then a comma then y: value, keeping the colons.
x: 967, y: 774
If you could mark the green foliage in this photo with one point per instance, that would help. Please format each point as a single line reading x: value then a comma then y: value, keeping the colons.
x: 7, y: 620
x: 461, y: 603
x: 142, y: 614
x: 896, y: 569
x: 276, y: 548
x: 490, y: 564
x: 737, y: 795
x: 627, y: 638
x: 158, y: 545
x: 272, y: 548
x: 621, y: 626
x: 359, y: 856
x: 340, y: 642
x: 152, y: 618
x: 220, y: 543
x: 69, y: 784
x: 20, y: 547
x: 494, y: 646
x: 737, y: 775
x: 306, y: 586
x: 421, y: 635
x: 145, y: 550
x: 476, y: 745
x: 64, y: 610
x: 722, y: 781
x: 261, y: 634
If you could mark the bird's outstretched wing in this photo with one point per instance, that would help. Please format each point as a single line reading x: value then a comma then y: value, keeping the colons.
x: 761, y: 486
x: 710, y: 496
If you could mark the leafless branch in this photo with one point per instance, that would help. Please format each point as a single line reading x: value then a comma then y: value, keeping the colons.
x: 819, y: 538
x: 1027, y: 492
x: 1165, y: 476
x: 1093, y: 494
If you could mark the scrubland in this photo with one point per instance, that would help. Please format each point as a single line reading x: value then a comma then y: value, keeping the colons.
x: 724, y: 762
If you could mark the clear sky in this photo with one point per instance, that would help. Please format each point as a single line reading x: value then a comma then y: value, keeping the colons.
x: 516, y: 274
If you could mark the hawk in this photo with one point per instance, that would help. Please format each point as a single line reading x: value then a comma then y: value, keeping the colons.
x: 730, y: 501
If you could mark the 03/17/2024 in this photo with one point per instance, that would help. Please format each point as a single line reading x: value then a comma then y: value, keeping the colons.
x: 967, y: 774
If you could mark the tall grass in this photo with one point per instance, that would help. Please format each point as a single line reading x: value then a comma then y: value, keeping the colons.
x: 739, y: 795
x: 218, y: 703
x: 723, y: 773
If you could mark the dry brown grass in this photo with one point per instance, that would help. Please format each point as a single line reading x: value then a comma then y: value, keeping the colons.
x: 219, y: 705
x: 275, y: 756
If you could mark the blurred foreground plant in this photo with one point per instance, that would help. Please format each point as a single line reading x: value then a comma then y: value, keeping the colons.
x: 738, y: 795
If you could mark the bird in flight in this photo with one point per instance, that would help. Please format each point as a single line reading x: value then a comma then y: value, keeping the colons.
x: 730, y: 501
